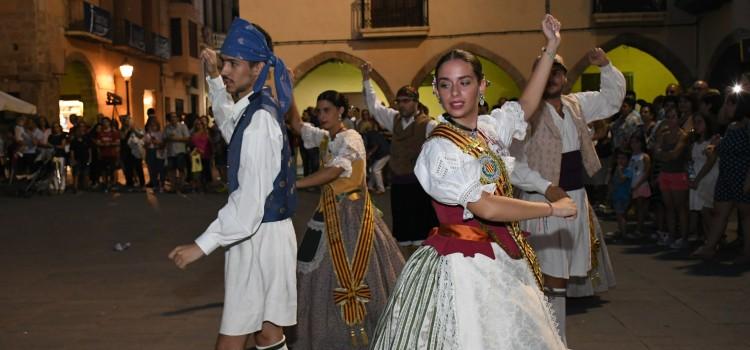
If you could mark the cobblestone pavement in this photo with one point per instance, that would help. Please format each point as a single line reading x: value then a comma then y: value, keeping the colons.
x: 64, y: 287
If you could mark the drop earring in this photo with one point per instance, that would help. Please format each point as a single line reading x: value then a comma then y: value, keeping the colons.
x: 482, y: 101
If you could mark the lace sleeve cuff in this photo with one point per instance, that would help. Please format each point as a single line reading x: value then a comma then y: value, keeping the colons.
x: 472, y: 193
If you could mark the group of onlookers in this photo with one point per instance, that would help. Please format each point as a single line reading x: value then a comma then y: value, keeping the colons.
x: 683, y: 157
x: 110, y: 154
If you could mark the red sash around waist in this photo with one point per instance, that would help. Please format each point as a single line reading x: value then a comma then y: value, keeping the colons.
x: 471, y: 240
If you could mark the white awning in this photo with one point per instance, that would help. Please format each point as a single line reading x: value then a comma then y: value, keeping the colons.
x: 13, y: 104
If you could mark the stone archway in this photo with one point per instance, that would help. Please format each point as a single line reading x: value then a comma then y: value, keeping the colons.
x: 501, y: 62
x: 310, y: 64
x: 725, y: 65
x: 645, y: 44
x: 78, y: 83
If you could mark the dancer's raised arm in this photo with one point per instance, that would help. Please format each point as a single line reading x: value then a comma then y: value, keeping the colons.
x: 532, y: 94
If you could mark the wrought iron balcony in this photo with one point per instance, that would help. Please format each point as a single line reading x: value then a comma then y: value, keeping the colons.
x: 158, y: 45
x: 607, y: 12
x: 697, y: 7
x: 388, y: 18
x: 90, y: 22
x: 620, y: 6
x: 130, y: 34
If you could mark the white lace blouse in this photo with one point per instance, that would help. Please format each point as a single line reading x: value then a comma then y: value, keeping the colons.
x: 451, y: 176
x: 345, y: 148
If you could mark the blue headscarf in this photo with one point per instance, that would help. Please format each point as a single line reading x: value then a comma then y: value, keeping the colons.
x: 245, y: 42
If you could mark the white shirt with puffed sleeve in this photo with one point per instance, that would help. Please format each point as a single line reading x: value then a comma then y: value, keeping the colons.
x: 346, y: 147
x: 452, y: 177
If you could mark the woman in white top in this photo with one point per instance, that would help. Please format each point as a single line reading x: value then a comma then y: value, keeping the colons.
x: 475, y: 283
x: 703, y: 175
x: 348, y: 261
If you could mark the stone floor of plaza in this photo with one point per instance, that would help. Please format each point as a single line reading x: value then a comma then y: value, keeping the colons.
x: 64, y: 287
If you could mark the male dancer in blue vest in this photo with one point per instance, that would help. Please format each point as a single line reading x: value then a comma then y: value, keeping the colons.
x: 254, y: 226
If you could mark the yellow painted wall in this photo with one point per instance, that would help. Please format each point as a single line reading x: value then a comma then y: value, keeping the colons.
x: 77, y: 81
x: 501, y: 85
x: 507, y: 29
x: 650, y: 77
x: 342, y: 77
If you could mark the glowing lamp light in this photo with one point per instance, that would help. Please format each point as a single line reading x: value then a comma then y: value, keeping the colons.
x: 126, y: 70
x: 737, y: 88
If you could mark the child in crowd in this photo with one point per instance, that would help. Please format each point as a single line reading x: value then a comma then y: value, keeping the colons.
x: 640, y: 168
x: 702, y: 175
x: 621, y: 182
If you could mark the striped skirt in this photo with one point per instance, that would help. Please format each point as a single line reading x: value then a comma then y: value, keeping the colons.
x: 463, y: 302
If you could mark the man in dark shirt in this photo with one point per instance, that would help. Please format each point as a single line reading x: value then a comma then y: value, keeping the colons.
x: 378, y: 154
x: 80, y: 156
x: 108, y: 143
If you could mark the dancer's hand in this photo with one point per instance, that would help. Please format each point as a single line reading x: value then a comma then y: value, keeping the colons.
x: 366, y: 69
x: 551, y: 29
x: 554, y: 193
x: 211, y: 62
x: 185, y: 254
x: 565, y: 208
x: 598, y: 57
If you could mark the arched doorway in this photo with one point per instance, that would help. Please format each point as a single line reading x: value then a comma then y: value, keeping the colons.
x: 77, y: 94
x: 728, y: 68
x: 725, y: 67
x: 505, y: 79
x: 335, y: 71
x: 644, y: 73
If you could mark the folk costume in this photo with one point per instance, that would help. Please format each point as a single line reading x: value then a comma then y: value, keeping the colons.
x: 474, y: 284
x: 560, y: 148
x: 255, y: 225
x: 348, y: 261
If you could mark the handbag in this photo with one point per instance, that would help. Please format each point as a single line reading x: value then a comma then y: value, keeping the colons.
x: 196, y: 162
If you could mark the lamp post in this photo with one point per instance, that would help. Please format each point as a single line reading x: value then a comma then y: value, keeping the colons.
x: 126, y: 70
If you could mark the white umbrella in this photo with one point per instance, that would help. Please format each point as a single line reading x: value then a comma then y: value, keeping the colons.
x: 13, y: 104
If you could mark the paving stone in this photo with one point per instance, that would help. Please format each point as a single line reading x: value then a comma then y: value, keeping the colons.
x: 65, y: 288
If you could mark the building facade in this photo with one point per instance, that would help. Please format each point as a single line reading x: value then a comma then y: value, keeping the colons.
x: 68, y: 53
x: 403, y: 39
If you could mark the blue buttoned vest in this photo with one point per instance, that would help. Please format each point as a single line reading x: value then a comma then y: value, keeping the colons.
x: 282, y: 201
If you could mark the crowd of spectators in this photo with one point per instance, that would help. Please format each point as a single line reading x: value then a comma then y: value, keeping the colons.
x: 683, y: 157
x: 111, y: 154
x: 680, y: 161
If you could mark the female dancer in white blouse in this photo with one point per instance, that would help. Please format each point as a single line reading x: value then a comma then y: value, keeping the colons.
x: 348, y: 261
x: 475, y: 283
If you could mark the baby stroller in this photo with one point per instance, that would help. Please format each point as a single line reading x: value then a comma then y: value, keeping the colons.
x: 40, y: 180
